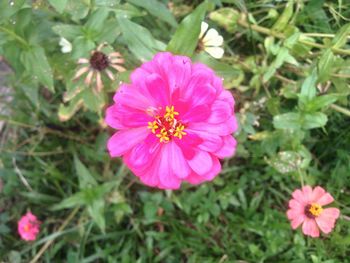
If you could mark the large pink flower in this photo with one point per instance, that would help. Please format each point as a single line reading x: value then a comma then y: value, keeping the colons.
x: 175, y: 121
x: 28, y: 227
x: 306, y: 208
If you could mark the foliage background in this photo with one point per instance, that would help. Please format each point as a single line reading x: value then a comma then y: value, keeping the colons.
x: 287, y: 64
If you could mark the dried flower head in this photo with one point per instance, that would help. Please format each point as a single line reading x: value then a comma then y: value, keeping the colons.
x: 99, y: 62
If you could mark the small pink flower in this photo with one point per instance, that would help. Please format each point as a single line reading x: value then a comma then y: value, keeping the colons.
x: 28, y: 227
x: 175, y: 122
x: 306, y: 208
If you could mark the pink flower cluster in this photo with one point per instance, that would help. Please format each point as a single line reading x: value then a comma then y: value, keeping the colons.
x: 28, y: 227
x: 306, y: 208
x: 175, y: 122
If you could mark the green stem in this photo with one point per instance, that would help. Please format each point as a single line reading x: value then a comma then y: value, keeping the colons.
x: 267, y: 31
x: 14, y: 35
x: 340, y: 109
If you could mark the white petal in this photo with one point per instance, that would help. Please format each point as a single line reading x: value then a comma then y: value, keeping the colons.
x: 204, y: 28
x: 66, y: 46
x: 212, y: 38
x: 216, y: 52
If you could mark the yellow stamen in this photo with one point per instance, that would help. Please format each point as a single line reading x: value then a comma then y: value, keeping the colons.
x: 315, y: 209
x: 179, y: 131
x: 163, y: 136
x: 170, y: 112
x: 26, y: 228
x: 153, y: 126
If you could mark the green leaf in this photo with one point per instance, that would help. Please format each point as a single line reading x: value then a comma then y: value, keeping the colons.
x: 282, y: 56
x: 139, y: 40
x: 72, y: 201
x: 222, y: 69
x: 314, y: 120
x: 321, y: 102
x: 289, y: 120
x: 283, y: 20
x: 156, y: 9
x: 185, y: 39
x: 59, y: 5
x: 97, y: 19
x: 341, y: 37
x: 94, y: 102
x: 308, y: 88
x: 70, y: 32
x: 86, y: 180
x: 7, y: 10
x: 36, y: 63
x: 96, y: 211
x: 226, y: 18
x: 326, y: 65
x: 78, y: 9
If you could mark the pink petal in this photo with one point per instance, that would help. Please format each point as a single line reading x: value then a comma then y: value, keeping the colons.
x: 325, y: 199
x: 112, y: 118
x: 196, y: 114
x: 130, y: 96
x: 188, y: 144
x: 310, y: 228
x: 210, y: 142
x: 227, y: 97
x: 221, y: 129
x: 228, y: 148
x: 201, y: 163
x: 296, y: 205
x: 124, y: 140
x: 296, y: 220
x: 194, y: 178
x: 331, y: 212
x: 177, y: 161
x: 141, y: 156
x: 299, y: 196
x: 158, y: 90
x: 317, y: 193
x: 168, y: 180
x: 220, y: 112
x: 307, y: 192
x: 326, y: 220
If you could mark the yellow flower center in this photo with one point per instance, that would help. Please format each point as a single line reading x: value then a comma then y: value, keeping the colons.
x: 167, y: 126
x: 313, y: 210
x: 26, y: 228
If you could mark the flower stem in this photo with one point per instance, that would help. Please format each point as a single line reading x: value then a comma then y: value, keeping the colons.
x: 340, y: 109
x: 243, y: 22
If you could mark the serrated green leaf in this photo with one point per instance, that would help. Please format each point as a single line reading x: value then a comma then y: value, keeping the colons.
x: 185, y: 39
x: 36, y: 63
x: 156, y: 9
x: 59, y: 5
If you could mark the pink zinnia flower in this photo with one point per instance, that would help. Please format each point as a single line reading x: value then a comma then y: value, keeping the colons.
x: 175, y: 121
x: 306, y: 208
x: 28, y: 227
